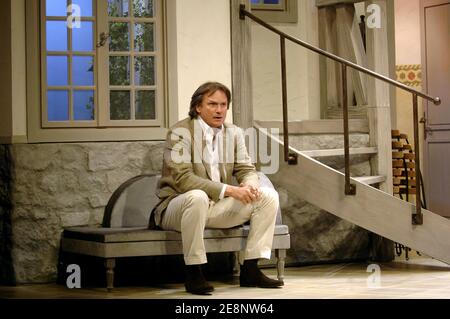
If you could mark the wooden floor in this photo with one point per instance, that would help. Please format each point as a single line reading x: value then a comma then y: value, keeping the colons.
x: 419, y: 277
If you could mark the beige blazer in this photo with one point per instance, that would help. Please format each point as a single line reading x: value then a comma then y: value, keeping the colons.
x: 184, y: 166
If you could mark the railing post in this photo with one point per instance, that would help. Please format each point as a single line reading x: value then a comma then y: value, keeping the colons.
x: 284, y: 98
x: 290, y: 158
x: 350, y: 189
x: 417, y: 218
x: 242, y: 11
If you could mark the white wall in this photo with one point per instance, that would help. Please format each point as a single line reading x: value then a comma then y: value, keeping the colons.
x: 407, y: 52
x: 302, y: 68
x: 199, y: 48
x: 407, y: 32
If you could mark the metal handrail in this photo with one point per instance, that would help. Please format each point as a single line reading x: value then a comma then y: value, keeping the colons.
x: 350, y: 189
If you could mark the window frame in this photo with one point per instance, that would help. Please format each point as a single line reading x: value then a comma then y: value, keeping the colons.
x: 287, y: 12
x: 102, y: 131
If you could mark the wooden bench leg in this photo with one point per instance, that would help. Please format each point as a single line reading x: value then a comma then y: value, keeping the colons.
x: 280, y: 254
x: 110, y: 263
x: 236, y: 264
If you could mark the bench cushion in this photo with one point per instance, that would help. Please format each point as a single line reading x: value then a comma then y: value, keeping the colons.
x: 135, y: 234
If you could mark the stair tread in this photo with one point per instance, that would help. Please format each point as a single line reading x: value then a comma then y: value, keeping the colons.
x: 369, y: 180
x: 340, y: 152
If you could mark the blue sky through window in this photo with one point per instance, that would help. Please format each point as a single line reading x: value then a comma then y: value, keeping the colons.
x: 56, y: 35
x: 58, y: 105
x: 266, y: 1
x: 83, y: 105
x: 85, y: 6
x: 56, y: 70
x: 83, y: 37
x: 56, y: 8
x: 82, y: 71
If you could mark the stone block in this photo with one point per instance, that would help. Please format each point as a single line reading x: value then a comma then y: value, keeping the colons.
x: 71, y: 219
x: 107, y: 156
x: 34, y: 157
x: 99, y: 199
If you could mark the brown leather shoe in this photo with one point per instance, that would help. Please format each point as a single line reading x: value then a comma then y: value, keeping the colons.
x: 251, y: 276
x: 195, y: 281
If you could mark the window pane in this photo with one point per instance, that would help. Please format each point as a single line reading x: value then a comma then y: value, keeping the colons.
x: 119, y: 70
x: 83, y: 70
x: 57, y: 70
x: 85, y: 6
x: 83, y: 37
x: 56, y: 36
x: 118, y: 8
x: 58, y: 105
x: 119, y: 37
x: 145, y: 105
x: 256, y: 1
x: 144, y: 70
x: 143, y: 8
x: 83, y: 105
x: 271, y: 1
x: 56, y: 8
x: 119, y: 104
x: 144, y: 39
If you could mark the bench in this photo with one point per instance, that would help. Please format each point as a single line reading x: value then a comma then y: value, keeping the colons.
x: 124, y: 231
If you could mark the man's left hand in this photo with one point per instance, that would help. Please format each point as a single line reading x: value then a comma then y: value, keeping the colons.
x: 256, y: 191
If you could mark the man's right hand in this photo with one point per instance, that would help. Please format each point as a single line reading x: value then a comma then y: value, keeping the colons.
x: 245, y: 193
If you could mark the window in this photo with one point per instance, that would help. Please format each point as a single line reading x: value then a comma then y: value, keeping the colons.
x: 102, y: 64
x: 276, y: 10
x: 69, y: 57
x: 272, y: 5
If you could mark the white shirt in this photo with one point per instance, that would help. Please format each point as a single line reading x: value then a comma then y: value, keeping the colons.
x: 212, y: 136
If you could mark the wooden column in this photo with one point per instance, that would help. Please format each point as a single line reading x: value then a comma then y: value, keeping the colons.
x: 378, y: 113
x: 379, y: 98
x: 340, y: 34
x: 329, y: 69
x: 241, y: 66
x: 351, y: 47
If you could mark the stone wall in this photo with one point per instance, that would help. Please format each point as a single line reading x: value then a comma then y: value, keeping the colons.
x: 318, y: 236
x: 6, y: 265
x: 61, y: 185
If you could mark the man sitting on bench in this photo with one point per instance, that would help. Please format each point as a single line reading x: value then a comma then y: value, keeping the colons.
x: 201, y: 155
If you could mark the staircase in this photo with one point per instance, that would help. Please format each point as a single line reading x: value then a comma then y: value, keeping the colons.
x: 352, y: 198
x: 370, y: 208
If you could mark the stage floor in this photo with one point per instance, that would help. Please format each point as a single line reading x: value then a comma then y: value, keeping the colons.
x: 420, y: 277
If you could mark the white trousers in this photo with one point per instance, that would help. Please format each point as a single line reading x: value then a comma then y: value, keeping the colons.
x: 190, y: 213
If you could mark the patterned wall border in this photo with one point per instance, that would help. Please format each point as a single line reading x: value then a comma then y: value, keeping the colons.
x: 409, y: 74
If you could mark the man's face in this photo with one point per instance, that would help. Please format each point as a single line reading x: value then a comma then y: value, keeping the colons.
x: 213, y: 109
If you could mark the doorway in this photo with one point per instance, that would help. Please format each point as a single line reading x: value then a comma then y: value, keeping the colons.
x: 435, y: 18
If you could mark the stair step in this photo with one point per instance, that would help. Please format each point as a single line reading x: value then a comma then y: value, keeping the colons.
x: 340, y: 152
x: 370, y: 180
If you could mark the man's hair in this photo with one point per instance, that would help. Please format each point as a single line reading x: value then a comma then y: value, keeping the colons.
x: 207, y: 89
